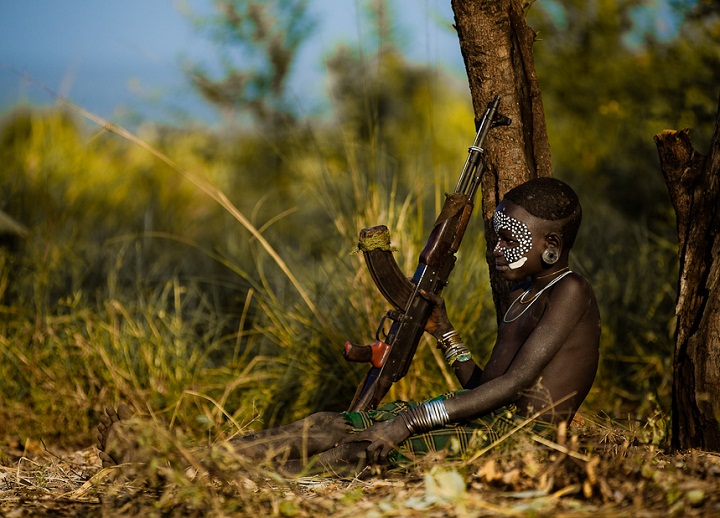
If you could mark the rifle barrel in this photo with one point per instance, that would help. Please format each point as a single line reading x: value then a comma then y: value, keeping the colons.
x: 470, y: 177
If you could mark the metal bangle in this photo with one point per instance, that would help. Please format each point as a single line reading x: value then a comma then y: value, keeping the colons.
x: 425, y: 417
x: 448, y: 339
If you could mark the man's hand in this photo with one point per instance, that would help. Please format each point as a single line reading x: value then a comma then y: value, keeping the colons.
x: 438, y: 322
x: 383, y: 437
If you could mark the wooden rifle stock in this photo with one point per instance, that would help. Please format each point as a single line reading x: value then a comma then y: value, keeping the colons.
x: 392, y: 354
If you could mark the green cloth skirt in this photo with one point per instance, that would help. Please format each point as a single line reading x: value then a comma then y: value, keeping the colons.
x: 455, y: 438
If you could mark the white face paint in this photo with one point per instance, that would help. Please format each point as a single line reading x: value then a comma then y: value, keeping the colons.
x: 514, y: 256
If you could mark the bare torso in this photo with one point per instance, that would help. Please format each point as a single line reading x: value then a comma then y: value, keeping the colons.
x: 545, y: 357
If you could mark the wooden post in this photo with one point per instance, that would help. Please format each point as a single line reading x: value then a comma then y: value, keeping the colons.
x: 693, y: 182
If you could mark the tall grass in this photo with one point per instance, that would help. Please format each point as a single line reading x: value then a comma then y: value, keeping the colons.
x: 100, y: 310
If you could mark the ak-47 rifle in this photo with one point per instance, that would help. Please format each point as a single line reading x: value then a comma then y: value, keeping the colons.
x: 392, y: 353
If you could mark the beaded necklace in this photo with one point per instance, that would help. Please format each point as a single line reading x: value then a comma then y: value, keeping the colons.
x: 532, y: 300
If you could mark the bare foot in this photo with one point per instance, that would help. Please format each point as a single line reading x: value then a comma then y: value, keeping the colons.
x: 115, y: 443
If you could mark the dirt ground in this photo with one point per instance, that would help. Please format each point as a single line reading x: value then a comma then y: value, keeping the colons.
x: 602, y: 472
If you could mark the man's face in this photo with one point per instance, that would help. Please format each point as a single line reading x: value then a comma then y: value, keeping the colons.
x: 519, y: 246
x: 514, y: 238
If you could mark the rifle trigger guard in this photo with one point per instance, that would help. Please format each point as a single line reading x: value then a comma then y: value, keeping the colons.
x: 381, y: 329
x: 393, y: 315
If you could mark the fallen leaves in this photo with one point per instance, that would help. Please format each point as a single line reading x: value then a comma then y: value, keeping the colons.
x: 583, y: 470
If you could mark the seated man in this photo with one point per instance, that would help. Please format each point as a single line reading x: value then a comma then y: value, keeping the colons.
x: 543, y: 363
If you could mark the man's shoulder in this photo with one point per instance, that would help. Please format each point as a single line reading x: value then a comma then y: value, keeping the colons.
x: 577, y: 283
x: 574, y: 290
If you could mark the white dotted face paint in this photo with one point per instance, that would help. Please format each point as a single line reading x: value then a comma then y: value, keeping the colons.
x: 515, y: 255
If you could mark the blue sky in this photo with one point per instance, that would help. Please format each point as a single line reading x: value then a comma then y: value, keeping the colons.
x: 123, y: 60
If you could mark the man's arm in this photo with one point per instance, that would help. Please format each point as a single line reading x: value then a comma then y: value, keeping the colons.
x: 438, y: 324
x: 468, y: 374
x: 566, y: 305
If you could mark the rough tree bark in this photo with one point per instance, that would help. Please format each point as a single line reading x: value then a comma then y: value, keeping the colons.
x: 693, y: 182
x: 496, y: 44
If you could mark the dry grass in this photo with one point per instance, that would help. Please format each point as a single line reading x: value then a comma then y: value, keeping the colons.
x: 594, y: 469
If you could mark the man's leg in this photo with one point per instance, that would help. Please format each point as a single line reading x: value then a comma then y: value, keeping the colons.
x: 299, y: 440
x: 291, y: 445
x: 348, y: 460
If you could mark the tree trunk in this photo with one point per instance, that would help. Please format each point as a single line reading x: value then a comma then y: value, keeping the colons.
x: 693, y: 182
x: 496, y: 44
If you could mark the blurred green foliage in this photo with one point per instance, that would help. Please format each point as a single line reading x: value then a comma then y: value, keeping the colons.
x: 133, y: 284
x: 611, y: 79
x: 258, y: 42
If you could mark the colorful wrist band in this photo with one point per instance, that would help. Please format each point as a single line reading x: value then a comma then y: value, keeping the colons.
x: 457, y: 352
x: 460, y: 358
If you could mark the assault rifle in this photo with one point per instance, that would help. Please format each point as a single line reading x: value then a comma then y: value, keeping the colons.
x: 394, y: 349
